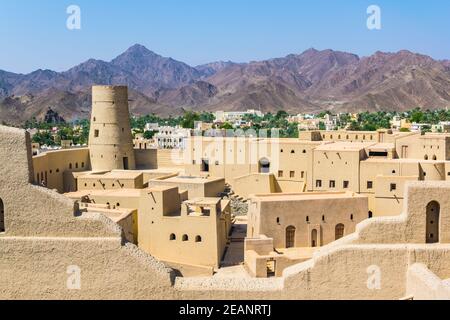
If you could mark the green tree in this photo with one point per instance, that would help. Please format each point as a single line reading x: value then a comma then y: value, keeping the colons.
x: 189, y: 119
x: 149, y: 134
x: 226, y: 126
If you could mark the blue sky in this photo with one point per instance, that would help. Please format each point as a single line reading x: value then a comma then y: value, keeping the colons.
x: 33, y: 33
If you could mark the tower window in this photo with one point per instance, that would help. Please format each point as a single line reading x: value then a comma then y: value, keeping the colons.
x: 96, y: 133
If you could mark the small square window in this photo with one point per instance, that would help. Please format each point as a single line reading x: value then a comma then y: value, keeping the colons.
x: 280, y: 174
x: 292, y: 174
x: 346, y: 184
x: 393, y: 186
x: 332, y: 184
x: 318, y: 183
x: 369, y: 185
x: 96, y: 133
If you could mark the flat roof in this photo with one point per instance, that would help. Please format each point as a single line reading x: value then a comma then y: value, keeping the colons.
x: 269, y: 197
x: 189, y: 179
x: 110, y: 192
x: 203, y: 201
x: 382, y: 146
x: 344, y: 146
x: 115, y: 174
x: 402, y: 160
x: 114, y: 214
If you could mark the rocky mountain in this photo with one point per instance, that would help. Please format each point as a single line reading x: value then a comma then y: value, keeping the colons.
x: 311, y: 81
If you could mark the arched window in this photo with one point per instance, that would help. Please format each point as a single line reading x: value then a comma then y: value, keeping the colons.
x: 370, y: 214
x: 290, y: 237
x: 307, y: 218
x: 432, y: 228
x: 2, y: 216
x: 426, y: 157
x: 185, y: 237
x: 264, y: 165
x: 434, y: 157
x: 70, y: 166
x: 351, y: 217
x: 292, y: 151
x: 198, y: 239
x: 173, y: 237
x: 339, y: 231
x: 304, y: 151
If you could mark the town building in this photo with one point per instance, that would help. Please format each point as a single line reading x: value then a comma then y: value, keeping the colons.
x: 326, y: 213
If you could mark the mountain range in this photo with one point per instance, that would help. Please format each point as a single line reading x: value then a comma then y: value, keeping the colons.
x: 308, y: 82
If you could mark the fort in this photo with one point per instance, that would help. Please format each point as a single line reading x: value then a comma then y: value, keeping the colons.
x: 322, y: 209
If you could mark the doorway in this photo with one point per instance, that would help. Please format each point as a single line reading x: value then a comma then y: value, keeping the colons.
x: 290, y: 237
x: 264, y: 165
x: 432, y: 228
x: 205, y: 165
x: 125, y: 163
x: 314, y: 238
x: 271, y: 265
x: 339, y: 231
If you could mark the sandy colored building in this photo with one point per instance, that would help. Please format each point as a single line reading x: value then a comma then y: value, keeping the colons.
x: 283, y: 229
x: 140, y: 233
x: 45, y: 235
x: 189, y: 234
x: 374, y: 163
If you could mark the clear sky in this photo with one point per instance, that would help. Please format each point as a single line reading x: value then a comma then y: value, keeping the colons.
x: 33, y: 33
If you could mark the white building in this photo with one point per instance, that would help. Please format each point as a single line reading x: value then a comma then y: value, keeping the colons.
x: 172, y: 137
x: 235, y: 116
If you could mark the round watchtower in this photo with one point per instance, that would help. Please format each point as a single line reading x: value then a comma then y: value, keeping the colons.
x: 110, y: 139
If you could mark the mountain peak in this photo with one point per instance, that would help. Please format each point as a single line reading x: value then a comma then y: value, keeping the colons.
x: 139, y: 50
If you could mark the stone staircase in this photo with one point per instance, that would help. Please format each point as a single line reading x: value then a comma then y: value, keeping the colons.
x: 238, y: 204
